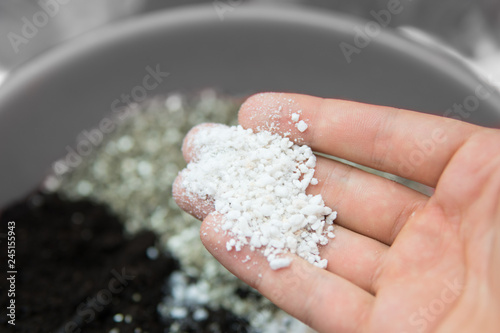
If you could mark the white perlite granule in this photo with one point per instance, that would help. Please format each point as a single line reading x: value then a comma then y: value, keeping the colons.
x: 301, y: 126
x: 258, y: 182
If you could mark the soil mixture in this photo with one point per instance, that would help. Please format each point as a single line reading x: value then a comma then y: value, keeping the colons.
x: 77, y: 271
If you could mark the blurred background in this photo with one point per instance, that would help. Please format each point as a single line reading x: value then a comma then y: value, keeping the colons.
x: 471, y: 27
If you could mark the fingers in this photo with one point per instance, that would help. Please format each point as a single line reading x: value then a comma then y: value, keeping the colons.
x: 409, y: 144
x: 303, y: 290
x: 194, y: 205
x: 350, y: 255
x: 188, y: 144
x: 188, y: 202
x: 366, y: 204
x: 354, y: 257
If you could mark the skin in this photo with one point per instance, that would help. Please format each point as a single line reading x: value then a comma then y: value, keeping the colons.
x: 401, y: 261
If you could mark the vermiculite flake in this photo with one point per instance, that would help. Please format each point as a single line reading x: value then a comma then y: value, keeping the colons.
x: 258, y: 183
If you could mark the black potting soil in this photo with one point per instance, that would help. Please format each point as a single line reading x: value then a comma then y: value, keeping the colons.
x: 76, y: 271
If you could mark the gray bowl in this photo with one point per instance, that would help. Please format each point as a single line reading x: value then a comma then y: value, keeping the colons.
x: 46, y: 103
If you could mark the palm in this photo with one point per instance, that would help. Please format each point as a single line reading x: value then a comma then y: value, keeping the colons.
x: 422, y: 275
x: 401, y: 261
x: 445, y: 243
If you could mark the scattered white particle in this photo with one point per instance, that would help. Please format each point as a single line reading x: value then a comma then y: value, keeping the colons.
x: 178, y: 312
x: 330, y: 218
x: 295, y: 117
x: 173, y: 102
x: 118, y: 318
x: 200, y: 314
x: 125, y: 143
x: 311, y: 162
x: 51, y: 183
x: 323, y: 263
x: 267, y: 210
x: 230, y: 244
x: 280, y: 263
x: 144, y: 168
x: 314, y: 181
x: 247, y: 258
x: 233, y: 215
x: 152, y: 253
x: 281, y: 191
x: 128, y: 319
x: 175, y: 327
x: 84, y: 188
x: 114, y: 330
x: 301, y: 126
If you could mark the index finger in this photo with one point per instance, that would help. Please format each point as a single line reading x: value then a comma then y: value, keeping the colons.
x: 409, y: 144
x: 303, y: 290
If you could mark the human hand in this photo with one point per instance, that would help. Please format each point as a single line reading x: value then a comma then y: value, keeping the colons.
x: 401, y: 261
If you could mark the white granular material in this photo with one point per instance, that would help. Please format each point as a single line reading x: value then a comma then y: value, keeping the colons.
x: 280, y: 263
x: 301, y: 126
x: 258, y: 182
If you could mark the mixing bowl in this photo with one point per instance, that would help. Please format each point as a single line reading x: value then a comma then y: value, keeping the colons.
x: 47, y: 102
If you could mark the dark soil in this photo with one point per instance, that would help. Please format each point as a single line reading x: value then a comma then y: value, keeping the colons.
x: 78, y: 272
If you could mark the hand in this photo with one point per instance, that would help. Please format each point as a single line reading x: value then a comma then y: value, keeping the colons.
x: 401, y: 261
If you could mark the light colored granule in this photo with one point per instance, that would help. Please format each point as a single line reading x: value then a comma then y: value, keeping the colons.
x: 280, y: 263
x: 295, y: 117
x: 200, y: 314
x: 258, y: 183
x: 178, y: 312
x: 118, y: 318
x: 301, y: 126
